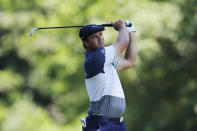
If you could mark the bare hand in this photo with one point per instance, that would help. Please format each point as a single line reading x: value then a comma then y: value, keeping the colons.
x: 118, y: 25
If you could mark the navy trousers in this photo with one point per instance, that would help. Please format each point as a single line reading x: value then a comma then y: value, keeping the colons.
x: 101, y: 124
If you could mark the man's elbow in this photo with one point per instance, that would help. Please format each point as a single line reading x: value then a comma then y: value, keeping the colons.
x: 132, y: 64
x: 129, y: 65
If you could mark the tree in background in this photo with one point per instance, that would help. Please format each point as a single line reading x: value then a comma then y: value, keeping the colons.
x: 164, y: 94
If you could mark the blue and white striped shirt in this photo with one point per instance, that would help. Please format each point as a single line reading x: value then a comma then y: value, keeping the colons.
x: 103, y: 84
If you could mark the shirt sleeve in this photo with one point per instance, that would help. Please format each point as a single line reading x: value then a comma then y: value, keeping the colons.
x: 115, y: 62
x: 94, y: 63
x: 110, y: 54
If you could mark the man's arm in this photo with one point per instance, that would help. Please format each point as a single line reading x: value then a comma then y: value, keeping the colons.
x: 130, y: 56
x: 122, y: 40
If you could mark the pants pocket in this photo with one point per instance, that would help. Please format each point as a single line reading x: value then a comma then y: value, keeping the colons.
x: 123, y: 125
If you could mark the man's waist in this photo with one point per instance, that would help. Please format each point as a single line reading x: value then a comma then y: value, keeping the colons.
x: 108, y: 106
x: 104, y: 118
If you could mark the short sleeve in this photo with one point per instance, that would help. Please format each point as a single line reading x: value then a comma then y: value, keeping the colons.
x: 110, y: 54
x: 115, y: 62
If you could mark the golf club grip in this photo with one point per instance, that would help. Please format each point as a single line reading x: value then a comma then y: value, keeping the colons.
x: 110, y: 25
x: 107, y: 25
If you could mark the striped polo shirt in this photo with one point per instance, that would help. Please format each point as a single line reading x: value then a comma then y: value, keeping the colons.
x: 103, y: 84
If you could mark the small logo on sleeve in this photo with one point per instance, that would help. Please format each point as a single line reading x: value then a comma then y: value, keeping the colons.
x: 103, y: 51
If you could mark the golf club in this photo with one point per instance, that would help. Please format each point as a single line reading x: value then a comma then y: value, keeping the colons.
x: 105, y: 25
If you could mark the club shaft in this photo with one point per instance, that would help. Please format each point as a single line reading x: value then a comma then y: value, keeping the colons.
x: 106, y: 25
x: 58, y: 27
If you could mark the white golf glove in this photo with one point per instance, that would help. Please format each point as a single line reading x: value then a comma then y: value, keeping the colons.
x: 132, y: 28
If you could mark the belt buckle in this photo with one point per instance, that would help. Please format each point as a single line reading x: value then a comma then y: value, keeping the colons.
x: 121, y: 119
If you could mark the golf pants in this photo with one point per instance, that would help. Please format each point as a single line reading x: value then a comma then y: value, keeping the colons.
x: 92, y: 123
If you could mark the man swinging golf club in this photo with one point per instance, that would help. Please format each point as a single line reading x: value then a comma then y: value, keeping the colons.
x: 107, y: 100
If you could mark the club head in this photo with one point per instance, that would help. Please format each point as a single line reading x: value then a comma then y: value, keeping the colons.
x: 32, y: 31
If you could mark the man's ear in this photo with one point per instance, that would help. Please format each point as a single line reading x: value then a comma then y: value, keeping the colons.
x: 85, y: 44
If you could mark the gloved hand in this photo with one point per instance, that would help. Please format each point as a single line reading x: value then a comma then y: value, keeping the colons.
x: 130, y: 29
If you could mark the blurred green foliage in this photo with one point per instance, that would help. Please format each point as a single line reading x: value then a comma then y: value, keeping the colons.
x: 42, y: 79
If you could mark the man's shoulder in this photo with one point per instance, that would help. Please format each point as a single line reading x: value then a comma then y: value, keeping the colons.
x: 95, y: 55
x: 99, y: 51
x: 102, y: 51
x: 94, y: 63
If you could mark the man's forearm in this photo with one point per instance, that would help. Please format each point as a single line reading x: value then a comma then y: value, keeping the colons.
x: 122, y: 41
x: 131, y: 50
x: 122, y: 36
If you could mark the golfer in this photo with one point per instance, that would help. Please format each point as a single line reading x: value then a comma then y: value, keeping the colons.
x: 107, y: 100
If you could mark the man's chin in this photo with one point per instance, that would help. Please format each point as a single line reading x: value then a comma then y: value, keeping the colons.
x: 102, y: 44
